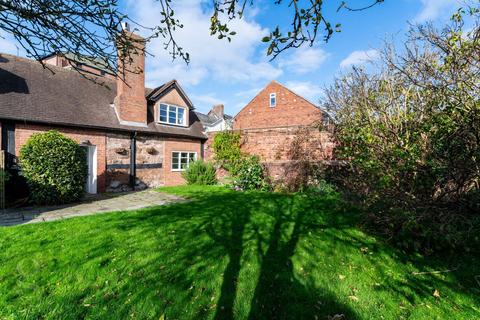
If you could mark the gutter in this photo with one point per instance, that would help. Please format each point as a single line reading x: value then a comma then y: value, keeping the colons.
x: 94, y: 127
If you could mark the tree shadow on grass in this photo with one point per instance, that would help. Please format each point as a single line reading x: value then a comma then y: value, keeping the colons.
x: 268, y: 227
x: 223, y: 255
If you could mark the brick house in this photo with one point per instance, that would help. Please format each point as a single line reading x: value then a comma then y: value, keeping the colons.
x: 276, y: 106
x: 134, y: 136
x: 271, y: 121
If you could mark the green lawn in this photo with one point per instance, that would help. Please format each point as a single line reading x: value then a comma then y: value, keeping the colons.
x: 226, y: 255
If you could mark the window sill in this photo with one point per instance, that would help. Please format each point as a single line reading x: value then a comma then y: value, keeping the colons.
x: 171, y: 124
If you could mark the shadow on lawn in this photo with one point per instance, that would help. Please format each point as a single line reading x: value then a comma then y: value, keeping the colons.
x: 269, y: 226
x: 222, y: 255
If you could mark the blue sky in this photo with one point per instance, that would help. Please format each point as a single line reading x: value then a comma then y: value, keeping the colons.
x: 232, y: 73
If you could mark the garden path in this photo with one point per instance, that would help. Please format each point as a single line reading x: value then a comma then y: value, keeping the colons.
x: 92, y: 204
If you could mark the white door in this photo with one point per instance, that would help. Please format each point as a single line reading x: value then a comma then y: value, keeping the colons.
x: 91, y: 183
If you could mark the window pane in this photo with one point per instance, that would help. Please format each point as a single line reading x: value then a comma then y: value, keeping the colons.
x: 184, y: 163
x: 192, y: 156
x: 172, y: 115
x: 163, y: 113
x: 175, y: 160
x: 180, y: 115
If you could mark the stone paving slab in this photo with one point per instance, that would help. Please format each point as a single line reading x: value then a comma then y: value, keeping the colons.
x: 92, y: 204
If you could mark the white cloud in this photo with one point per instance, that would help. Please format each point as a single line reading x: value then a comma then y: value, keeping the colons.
x: 206, y: 101
x: 8, y: 45
x: 306, y: 89
x: 304, y: 60
x: 248, y: 93
x: 432, y: 9
x: 211, y: 58
x: 359, y: 57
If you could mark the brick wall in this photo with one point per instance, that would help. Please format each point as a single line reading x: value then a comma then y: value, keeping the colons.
x: 114, y: 148
x: 290, y: 110
x: 175, y: 177
x: 273, y: 145
x: 96, y: 138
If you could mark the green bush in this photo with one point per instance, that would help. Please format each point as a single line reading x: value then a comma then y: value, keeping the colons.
x: 201, y: 173
x: 55, y: 168
x: 251, y: 175
x: 226, y: 146
x: 409, y: 132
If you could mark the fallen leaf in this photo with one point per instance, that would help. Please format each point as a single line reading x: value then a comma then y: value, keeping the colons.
x: 436, y: 293
x: 354, y: 298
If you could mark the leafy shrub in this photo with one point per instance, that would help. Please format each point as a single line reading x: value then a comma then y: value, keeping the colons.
x: 320, y: 187
x: 251, y: 175
x: 226, y: 146
x: 55, y: 168
x: 200, y: 172
x: 409, y: 133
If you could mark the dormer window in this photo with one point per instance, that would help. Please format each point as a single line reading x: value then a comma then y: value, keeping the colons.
x: 170, y: 114
x: 273, y: 100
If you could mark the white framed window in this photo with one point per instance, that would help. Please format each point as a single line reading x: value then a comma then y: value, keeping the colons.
x: 182, y: 159
x: 273, y: 99
x: 172, y: 114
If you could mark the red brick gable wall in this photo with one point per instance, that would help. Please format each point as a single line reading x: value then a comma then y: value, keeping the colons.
x: 290, y: 110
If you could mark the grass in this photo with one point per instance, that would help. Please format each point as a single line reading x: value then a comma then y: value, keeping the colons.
x: 226, y: 255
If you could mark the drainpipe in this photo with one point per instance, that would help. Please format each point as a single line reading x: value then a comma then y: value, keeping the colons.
x: 133, y: 157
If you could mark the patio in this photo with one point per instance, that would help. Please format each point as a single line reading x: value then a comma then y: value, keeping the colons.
x: 92, y: 204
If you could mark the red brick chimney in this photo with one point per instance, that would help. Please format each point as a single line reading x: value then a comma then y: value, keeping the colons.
x: 130, y: 102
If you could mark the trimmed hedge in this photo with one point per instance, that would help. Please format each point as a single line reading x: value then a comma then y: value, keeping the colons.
x: 55, y: 168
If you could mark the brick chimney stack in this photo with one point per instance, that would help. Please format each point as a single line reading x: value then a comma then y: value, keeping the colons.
x: 217, y: 110
x: 130, y: 102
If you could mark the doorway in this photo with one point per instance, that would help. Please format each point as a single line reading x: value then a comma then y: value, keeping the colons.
x: 91, y: 183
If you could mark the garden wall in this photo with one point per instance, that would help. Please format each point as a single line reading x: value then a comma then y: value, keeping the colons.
x: 273, y: 145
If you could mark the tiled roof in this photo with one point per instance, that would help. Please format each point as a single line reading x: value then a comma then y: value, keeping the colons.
x: 211, y: 119
x: 29, y: 92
